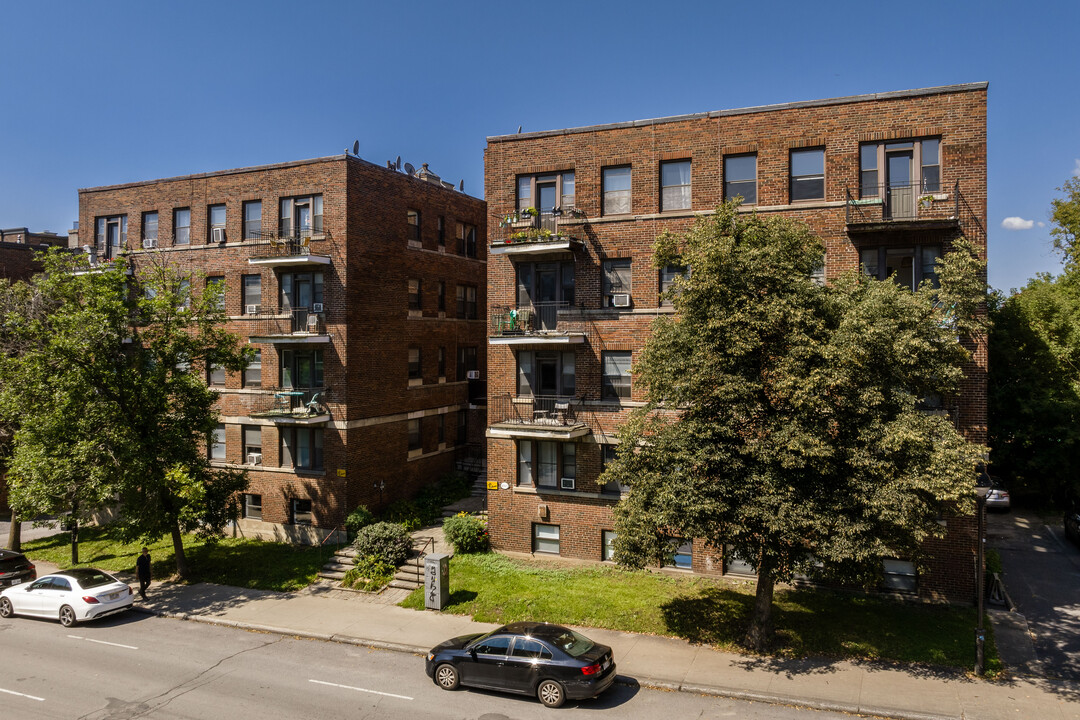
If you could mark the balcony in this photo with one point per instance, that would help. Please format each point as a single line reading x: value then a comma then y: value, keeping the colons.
x: 546, y: 323
x: 549, y: 232
x: 891, y: 207
x: 100, y: 257
x: 536, y: 417
x: 288, y: 327
x: 295, y: 406
x: 273, y: 250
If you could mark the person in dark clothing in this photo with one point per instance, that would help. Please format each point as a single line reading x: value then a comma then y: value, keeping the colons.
x: 142, y: 569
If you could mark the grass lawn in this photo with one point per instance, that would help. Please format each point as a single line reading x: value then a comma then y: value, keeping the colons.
x: 229, y: 561
x: 493, y: 588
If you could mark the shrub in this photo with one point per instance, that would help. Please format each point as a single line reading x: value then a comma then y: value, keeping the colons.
x: 370, y: 573
x: 405, y: 513
x: 385, y: 541
x: 359, y: 518
x: 467, y: 533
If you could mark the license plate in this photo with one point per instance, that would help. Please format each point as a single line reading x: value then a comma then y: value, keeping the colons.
x: 16, y: 581
x: 607, y: 663
x: 113, y: 596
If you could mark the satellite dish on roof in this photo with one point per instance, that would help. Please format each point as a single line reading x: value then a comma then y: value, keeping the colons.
x: 409, y: 169
x: 356, y: 148
x: 461, y: 186
x: 397, y: 164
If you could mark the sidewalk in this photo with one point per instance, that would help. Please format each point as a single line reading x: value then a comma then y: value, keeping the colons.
x: 845, y: 686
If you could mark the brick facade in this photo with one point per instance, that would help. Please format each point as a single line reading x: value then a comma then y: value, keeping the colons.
x: 937, y: 136
x: 362, y: 257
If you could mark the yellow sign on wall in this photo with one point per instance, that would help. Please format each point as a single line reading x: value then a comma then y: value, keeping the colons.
x: 493, y: 484
x: 341, y: 472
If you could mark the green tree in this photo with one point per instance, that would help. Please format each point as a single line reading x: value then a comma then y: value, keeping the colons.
x: 112, y: 403
x: 783, y: 418
x: 1065, y: 217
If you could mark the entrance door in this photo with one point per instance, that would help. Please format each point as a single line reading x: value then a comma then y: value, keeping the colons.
x: 900, y: 188
x: 546, y: 199
x: 547, y: 294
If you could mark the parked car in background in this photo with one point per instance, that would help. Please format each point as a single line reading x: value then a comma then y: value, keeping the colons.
x: 998, y: 497
x: 552, y: 662
x: 15, y: 569
x: 70, y: 596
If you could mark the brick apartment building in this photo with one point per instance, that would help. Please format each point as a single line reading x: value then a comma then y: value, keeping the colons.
x: 362, y: 290
x: 17, y: 249
x: 886, y: 180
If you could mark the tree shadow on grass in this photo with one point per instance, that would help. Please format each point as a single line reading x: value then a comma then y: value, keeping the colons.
x: 461, y: 597
x: 713, y: 616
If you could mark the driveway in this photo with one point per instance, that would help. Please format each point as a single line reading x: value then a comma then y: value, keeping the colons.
x: 1042, y: 575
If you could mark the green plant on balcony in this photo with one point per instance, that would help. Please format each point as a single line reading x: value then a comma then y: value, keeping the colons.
x: 530, y: 212
x: 926, y: 202
x: 530, y: 235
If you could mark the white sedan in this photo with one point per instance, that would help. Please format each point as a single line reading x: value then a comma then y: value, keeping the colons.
x: 70, y: 596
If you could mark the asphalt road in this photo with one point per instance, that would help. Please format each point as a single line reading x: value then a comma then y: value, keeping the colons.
x: 1042, y: 575
x: 137, y: 666
x: 29, y: 532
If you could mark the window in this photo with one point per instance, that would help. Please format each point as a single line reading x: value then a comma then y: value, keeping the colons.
x: 908, y: 267
x: 252, y: 509
x: 818, y: 273
x: 302, y: 448
x: 252, y: 441
x: 466, y: 302
x: 301, y: 291
x: 675, y: 185
x: 215, y: 221
x: 440, y: 296
x: 252, y: 294
x: 616, y: 379
x: 740, y: 178
x: 547, y: 464
x: 616, y: 190
x: 414, y: 295
x: 184, y: 292
x: 607, y: 456
x: 413, y: 230
x: 217, y: 443
x: 546, y: 373
x: 466, y: 240
x: 897, y: 171
x: 667, y: 282
x: 900, y: 575
x: 683, y: 557
x: 300, y: 511
x: 607, y: 551
x: 442, y: 362
x: 546, y: 192
x: 546, y: 539
x: 150, y: 228
x: 497, y: 646
x: 215, y: 375
x: 868, y: 175
x: 110, y: 235
x: 544, y: 286
x: 466, y: 362
x: 415, y: 367
x: 441, y: 232
x: 440, y: 427
x: 301, y: 216
x: 415, y: 441
x: 931, y: 166
x: 808, y: 174
x: 217, y: 284
x: 252, y: 219
x: 462, y: 427
x: 302, y: 369
x: 616, y: 286
x: 182, y: 226
x: 529, y: 649
x: 253, y: 371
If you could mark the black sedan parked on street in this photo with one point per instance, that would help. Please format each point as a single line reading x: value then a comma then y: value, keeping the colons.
x: 549, y: 661
x: 15, y: 569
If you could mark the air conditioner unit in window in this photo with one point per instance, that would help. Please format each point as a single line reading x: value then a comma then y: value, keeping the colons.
x: 254, y: 459
x: 149, y: 243
x: 217, y: 235
x: 473, y: 375
x: 316, y: 307
x: 566, y: 483
x: 252, y: 309
x: 620, y: 300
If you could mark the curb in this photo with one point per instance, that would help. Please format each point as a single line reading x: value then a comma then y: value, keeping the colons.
x: 653, y: 683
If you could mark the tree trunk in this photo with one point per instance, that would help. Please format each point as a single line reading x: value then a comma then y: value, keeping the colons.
x: 760, y: 633
x: 15, y: 533
x: 178, y: 552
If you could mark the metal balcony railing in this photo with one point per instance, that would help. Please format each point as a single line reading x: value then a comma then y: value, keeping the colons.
x: 538, y: 318
x: 551, y: 226
x: 538, y: 411
x: 289, y: 402
x: 287, y: 323
x: 892, y: 202
x: 272, y: 244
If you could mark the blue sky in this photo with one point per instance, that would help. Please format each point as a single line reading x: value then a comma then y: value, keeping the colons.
x: 101, y: 92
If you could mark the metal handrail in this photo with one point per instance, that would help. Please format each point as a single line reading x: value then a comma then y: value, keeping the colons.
x: 891, y: 202
x: 539, y: 410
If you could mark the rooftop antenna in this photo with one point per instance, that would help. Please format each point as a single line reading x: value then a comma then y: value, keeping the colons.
x: 356, y: 148
x: 397, y: 164
x: 409, y: 169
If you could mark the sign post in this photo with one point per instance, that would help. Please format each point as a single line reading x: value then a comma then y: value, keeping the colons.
x: 436, y: 581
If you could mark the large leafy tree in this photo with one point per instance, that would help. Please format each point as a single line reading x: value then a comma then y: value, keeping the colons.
x: 112, y: 405
x: 784, y: 419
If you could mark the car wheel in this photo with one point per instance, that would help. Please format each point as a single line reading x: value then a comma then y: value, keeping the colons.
x: 6, y: 610
x: 67, y: 616
x: 551, y: 693
x: 446, y: 677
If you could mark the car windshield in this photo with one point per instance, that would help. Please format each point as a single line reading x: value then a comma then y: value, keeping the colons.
x: 88, y: 578
x: 572, y: 643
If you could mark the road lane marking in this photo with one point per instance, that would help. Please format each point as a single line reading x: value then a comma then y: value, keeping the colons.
x: 32, y: 697
x: 350, y: 687
x: 102, y: 642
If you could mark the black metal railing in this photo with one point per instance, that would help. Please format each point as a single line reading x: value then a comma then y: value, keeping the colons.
x: 289, y: 402
x: 551, y: 226
x: 541, y: 317
x: 288, y: 322
x: 534, y: 410
x: 892, y: 202
x: 272, y: 244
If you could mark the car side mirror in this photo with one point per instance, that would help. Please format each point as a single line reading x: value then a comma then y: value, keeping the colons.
x: 472, y: 652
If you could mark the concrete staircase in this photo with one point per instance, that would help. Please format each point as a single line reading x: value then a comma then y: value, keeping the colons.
x: 344, y: 559
x: 411, y: 575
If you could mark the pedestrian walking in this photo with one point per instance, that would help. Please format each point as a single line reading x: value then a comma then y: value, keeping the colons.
x: 142, y: 569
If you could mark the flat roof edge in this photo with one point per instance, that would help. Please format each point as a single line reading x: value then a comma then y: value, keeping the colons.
x: 892, y: 95
x: 218, y: 173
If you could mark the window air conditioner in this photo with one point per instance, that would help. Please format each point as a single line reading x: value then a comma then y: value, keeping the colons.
x: 316, y: 307
x: 217, y: 235
x: 473, y: 375
x: 149, y: 243
x: 566, y: 483
x: 254, y: 459
x: 620, y: 300
x: 252, y: 310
